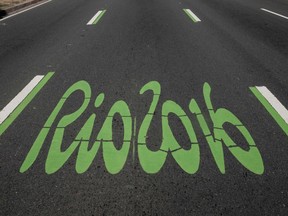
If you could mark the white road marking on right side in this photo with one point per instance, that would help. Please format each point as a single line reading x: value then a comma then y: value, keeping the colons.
x: 25, y: 10
x: 274, y: 13
x: 9, y: 108
x: 275, y: 103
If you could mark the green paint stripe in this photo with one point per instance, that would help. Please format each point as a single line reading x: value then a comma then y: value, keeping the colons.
x: 99, y: 17
x: 280, y: 121
x: 24, y: 103
x: 192, y: 18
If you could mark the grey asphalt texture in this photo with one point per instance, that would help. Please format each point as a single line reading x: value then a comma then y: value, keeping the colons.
x: 234, y: 47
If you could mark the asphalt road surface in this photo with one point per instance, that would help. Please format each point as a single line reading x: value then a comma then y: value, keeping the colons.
x: 150, y: 109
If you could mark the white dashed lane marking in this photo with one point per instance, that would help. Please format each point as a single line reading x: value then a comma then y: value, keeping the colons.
x: 10, y: 107
x: 273, y: 106
x: 277, y: 14
x: 192, y: 15
x: 96, y: 17
x: 275, y: 103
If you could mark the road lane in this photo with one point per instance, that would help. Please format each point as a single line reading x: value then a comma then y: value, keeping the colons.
x: 137, y: 42
x: 261, y: 38
x: 32, y: 42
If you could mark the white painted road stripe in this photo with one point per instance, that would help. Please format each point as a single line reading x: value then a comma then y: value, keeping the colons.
x: 19, y: 98
x: 22, y: 11
x: 275, y: 103
x: 274, y: 13
x: 94, y: 17
x: 192, y: 15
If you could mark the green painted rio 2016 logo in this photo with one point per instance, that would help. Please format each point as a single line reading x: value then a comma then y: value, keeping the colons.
x: 150, y: 161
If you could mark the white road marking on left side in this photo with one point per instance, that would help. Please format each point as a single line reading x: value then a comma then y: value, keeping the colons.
x: 9, y: 108
x: 25, y: 10
x: 274, y: 13
x: 275, y: 103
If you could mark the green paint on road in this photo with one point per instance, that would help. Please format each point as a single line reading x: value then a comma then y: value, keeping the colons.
x: 99, y: 17
x: 280, y: 121
x: 24, y: 103
x: 251, y: 158
x: 191, y: 17
x: 151, y: 161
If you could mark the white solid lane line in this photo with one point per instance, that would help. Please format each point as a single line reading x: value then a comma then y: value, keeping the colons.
x: 275, y: 103
x: 22, y: 11
x: 192, y: 15
x: 19, y: 98
x: 274, y: 13
x: 94, y: 18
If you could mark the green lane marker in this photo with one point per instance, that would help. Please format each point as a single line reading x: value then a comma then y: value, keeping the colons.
x: 24, y: 103
x: 280, y: 121
x: 99, y: 17
x: 192, y: 16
